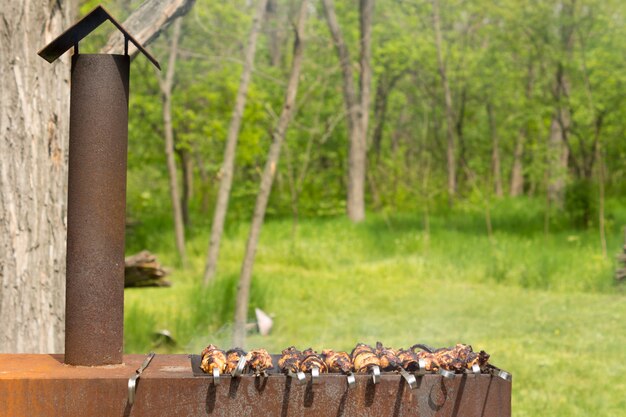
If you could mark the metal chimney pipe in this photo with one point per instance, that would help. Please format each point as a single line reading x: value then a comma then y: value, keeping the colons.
x: 94, y: 315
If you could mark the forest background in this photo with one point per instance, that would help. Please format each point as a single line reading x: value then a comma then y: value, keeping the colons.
x: 493, y: 184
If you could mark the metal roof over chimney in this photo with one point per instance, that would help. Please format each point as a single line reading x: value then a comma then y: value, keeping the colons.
x: 84, y: 27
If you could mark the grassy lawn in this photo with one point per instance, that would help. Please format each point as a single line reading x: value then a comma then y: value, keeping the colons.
x: 544, y: 306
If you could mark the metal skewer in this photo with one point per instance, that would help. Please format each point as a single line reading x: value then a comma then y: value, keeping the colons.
x: 241, y: 365
x: 422, y: 367
x: 298, y: 375
x: 351, y: 380
x: 315, y: 375
x: 216, y: 376
x: 132, y: 381
x: 375, y: 374
x: 410, y: 379
x: 502, y: 374
x: 476, y: 369
x: 445, y: 373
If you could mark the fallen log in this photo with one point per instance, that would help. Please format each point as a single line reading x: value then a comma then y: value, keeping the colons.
x: 144, y: 270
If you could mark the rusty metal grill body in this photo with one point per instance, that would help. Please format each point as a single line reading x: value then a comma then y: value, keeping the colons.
x: 40, y: 385
x: 94, y: 310
x: 94, y: 315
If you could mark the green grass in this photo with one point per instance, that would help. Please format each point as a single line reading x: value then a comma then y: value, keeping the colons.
x: 544, y: 306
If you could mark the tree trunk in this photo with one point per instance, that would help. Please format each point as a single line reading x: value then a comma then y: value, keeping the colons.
x: 228, y: 166
x: 558, y: 151
x: 517, y: 172
x: 448, y: 104
x: 558, y: 155
x: 274, y: 38
x: 243, y: 289
x: 357, y: 109
x: 34, y: 121
x: 166, y: 96
x: 187, y: 168
x: 384, y: 87
x: 146, y: 24
x: 495, y: 153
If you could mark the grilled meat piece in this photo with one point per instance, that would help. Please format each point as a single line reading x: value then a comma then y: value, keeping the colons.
x: 449, y: 360
x: 290, y: 360
x: 388, y: 358
x: 409, y: 360
x: 459, y: 358
x: 481, y: 358
x: 429, y: 358
x: 364, y: 358
x: 213, y: 358
x: 337, y: 361
x: 259, y: 360
x: 311, y: 359
x: 232, y: 359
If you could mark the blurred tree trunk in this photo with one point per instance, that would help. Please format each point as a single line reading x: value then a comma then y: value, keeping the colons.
x: 517, y: 172
x: 448, y: 104
x: 558, y: 150
x: 495, y: 152
x: 357, y: 108
x: 385, y: 85
x: 146, y: 23
x: 274, y: 38
x: 166, y: 83
x: 228, y: 166
x: 278, y: 137
x: 34, y: 121
x: 187, y: 194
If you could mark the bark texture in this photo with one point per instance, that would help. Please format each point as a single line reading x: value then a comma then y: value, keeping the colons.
x: 146, y: 24
x: 166, y: 85
x: 450, y: 152
x: 228, y: 166
x: 517, y: 172
x: 357, y: 107
x: 558, y: 150
x: 495, y: 153
x: 34, y: 126
x: 267, y: 179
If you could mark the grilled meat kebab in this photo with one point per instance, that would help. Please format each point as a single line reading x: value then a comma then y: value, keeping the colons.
x: 259, y: 361
x: 232, y: 359
x: 364, y: 358
x: 290, y: 360
x: 337, y: 361
x: 311, y: 359
x: 213, y: 358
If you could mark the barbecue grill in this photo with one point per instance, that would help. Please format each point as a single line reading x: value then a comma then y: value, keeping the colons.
x: 94, y: 378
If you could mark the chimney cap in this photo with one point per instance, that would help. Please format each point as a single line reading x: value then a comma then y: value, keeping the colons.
x: 84, y: 27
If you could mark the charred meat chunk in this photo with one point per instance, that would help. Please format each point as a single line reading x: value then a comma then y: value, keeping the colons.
x: 311, y: 359
x: 408, y: 360
x: 259, y: 360
x: 213, y: 358
x: 290, y: 360
x: 232, y: 359
x: 364, y: 358
x: 388, y: 358
x: 337, y: 361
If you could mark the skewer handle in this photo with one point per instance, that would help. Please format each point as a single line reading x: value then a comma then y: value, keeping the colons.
x: 375, y: 374
x: 351, y: 380
x: 410, y: 379
x: 315, y: 375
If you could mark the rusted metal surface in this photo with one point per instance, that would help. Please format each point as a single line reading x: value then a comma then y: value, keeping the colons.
x: 84, y: 27
x: 41, y: 385
x: 96, y: 215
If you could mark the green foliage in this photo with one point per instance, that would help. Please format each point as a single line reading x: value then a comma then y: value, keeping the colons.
x: 333, y: 283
